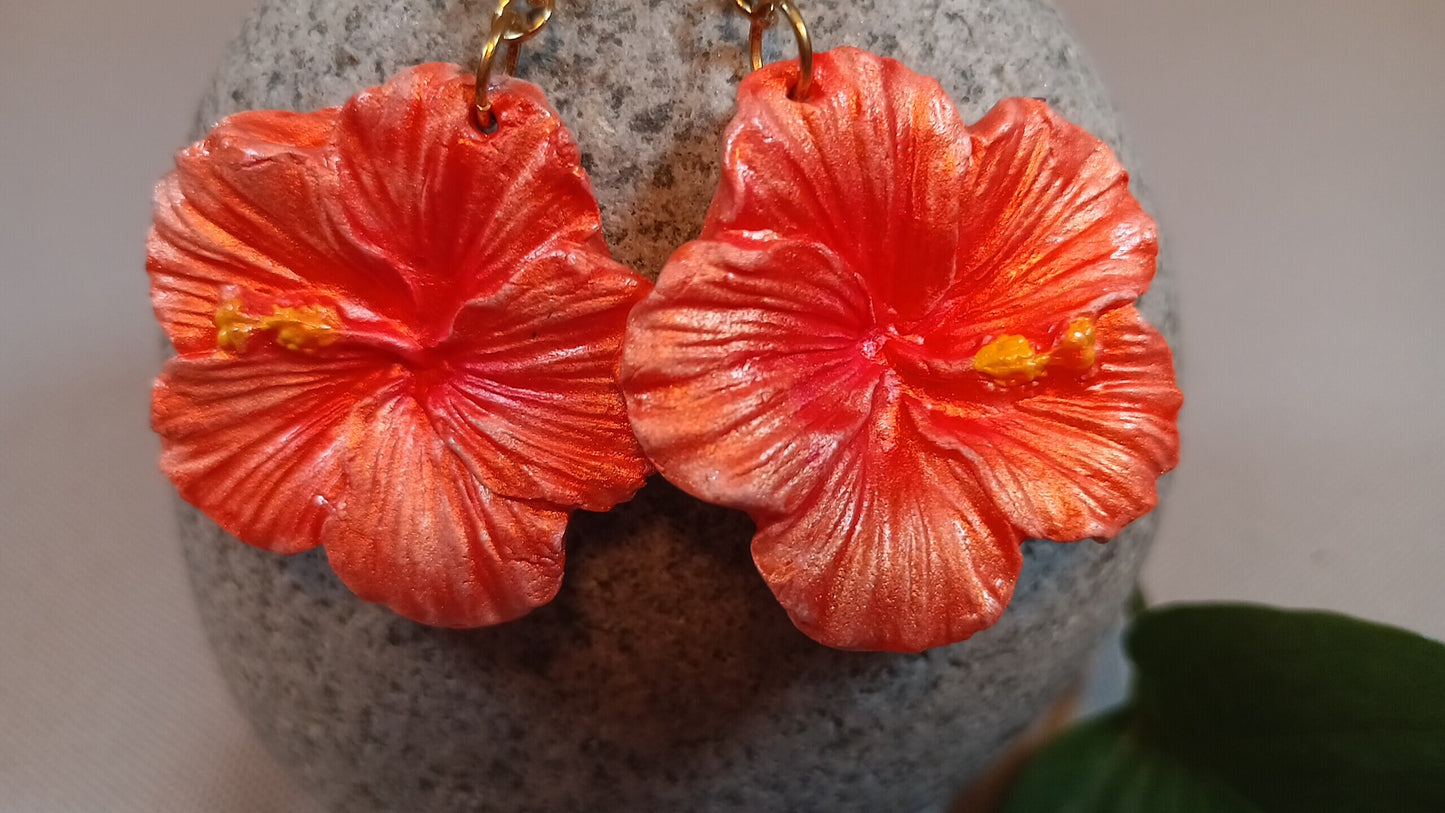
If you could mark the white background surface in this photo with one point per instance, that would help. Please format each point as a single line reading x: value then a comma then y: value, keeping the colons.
x: 1295, y: 149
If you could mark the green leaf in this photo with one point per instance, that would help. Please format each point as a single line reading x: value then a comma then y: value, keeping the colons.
x: 1297, y: 711
x: 1247, y: 708
x: 1103, y: 767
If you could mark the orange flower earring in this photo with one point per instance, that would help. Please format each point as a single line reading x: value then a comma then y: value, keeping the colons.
x: 398, y: 332
x: 903, y: 345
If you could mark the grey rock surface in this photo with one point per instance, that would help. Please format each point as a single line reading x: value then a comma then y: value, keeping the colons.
x: 664, y: 677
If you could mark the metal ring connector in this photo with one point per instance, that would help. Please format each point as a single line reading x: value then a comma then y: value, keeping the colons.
x: 513, y: 27
x: 762, y: 13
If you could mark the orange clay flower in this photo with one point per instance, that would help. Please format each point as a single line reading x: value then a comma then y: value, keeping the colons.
x: 398, y: 337
x: 903, y: 345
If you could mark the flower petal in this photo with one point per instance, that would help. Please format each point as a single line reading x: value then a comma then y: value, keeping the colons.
x: 535, y: 402
x: 1049, y: 229
x: 1076, y: 460
x: 416, y: 530
x: 250, y: 206
x: 743, y: 371
x: 410, y: 328
x: 895, y: 550
x: 255, y: 442
x: 453, y: 208
x: 870, y: 165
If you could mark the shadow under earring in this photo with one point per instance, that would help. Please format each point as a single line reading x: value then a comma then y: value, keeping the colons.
x: 904, y: 345
x: 398, y: 330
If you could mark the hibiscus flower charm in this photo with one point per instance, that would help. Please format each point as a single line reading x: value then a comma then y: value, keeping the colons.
x: 398, y: 336
x: 903, y: 345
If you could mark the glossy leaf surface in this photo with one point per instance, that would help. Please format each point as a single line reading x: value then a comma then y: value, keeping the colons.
x: 1102, y: 767
x: 1301, y: 711
x: 1240, y: 707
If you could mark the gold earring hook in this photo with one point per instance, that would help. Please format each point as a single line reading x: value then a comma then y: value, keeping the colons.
x: 513, y: 27
x: 762, y: 13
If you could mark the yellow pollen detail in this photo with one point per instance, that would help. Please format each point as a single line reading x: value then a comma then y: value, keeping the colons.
x: 300, y: 329
x: 1078, y: 348
x: 1010, y: 360
x: 233, y: 326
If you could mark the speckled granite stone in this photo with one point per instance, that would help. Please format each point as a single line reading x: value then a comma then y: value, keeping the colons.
x: 664, y: 677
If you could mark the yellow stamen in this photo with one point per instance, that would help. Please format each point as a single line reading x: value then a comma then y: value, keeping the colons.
x: 299, y: 329
x: 233, y: 326
x: 1078, y: 347
x: 1012, y: 360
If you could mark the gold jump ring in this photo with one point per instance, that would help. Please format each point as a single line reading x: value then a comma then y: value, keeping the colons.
x: 512, y: 27
x: 762, y: 13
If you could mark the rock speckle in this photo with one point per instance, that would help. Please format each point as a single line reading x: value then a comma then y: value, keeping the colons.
x: 664, y: 677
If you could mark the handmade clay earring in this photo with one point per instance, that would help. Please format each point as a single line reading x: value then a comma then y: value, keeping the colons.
x: 904, y: 345
x: 398, y: 332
